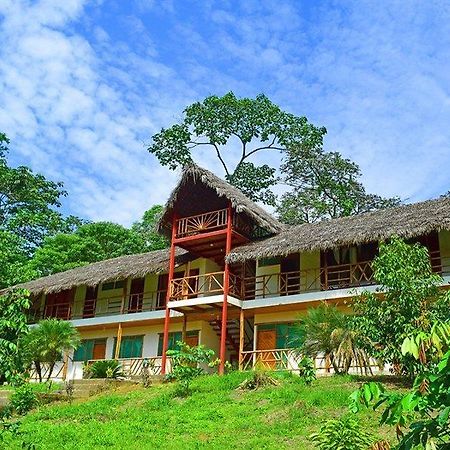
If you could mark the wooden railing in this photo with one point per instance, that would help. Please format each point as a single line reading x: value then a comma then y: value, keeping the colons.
x: 57, y: 371
x: 133, y: 367
x: 277, y: 359
x: 210, y: 221
x: 202, y: 285
x: 58, y: 311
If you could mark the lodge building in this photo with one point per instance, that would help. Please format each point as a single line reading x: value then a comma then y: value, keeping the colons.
x: 234, y: 279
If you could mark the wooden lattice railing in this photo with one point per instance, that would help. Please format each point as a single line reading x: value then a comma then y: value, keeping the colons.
x: 133, y: 367
x: 277, y: 359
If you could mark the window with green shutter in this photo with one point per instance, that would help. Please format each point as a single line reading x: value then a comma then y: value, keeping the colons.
x: 173, y: 339
x: 130, y: 346
x: 288, y: 335
x: 85, y: 351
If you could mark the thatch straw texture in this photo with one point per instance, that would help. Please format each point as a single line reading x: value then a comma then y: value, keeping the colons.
x: 405, y: 221
x: 192, y: 174
x: 133, y: 266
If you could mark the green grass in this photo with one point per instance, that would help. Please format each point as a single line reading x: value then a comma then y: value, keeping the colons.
x: 37, y: 387
x: 215, y: 416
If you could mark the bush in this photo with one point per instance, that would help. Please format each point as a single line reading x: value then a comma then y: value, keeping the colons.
x: 104, y: 369
x: 258, y: 379
x: 23, y: 399
x: 345, y: 433
x: 186, y: 365
x: 307, y: 371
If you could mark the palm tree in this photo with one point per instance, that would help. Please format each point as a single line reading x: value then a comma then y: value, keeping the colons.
x: 48, y: 342
x: 328, y: 331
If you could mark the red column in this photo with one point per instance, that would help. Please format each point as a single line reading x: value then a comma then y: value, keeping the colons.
x: 226, y: 287
x: 167, y: 318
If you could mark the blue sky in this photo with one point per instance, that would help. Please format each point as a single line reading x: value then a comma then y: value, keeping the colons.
x: 84, y: 85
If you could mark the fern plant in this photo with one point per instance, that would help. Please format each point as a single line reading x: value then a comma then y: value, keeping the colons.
x: 342, y: 434
x: 106, y: 369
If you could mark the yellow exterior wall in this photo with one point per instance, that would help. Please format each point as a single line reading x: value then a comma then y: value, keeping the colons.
x: 271, y: 283
x: 310, y: 271
x: 78, y: 301
x: 444, y: 245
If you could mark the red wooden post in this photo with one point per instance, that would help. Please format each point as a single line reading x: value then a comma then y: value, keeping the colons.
x: 167, y: 318
x: 226, y: 287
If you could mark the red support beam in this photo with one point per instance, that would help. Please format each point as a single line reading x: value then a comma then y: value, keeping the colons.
x: 226, y: 288
x: 170, y: 278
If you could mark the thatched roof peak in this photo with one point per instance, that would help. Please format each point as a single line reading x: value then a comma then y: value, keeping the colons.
x: 406, y: 221
x: 186, y: 190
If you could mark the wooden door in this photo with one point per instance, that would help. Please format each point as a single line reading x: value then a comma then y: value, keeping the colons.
x: 99, y: 350
x: 90, y: 301
x: 136, y: 296
x: 290, y: 275
x: 163, y: 284
x: 267, y: 340
x: 192, y: 341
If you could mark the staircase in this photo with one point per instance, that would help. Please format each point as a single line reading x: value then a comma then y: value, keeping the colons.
x: 232, y: 338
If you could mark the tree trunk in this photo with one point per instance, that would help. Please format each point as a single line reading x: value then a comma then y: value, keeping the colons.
x: 37, y: 364
x: 50, y: 371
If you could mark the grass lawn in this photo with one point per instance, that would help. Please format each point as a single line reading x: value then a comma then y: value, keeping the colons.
x: 215, y: 416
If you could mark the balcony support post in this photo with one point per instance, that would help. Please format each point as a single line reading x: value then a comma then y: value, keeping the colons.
x: 118, y: 342
x: 183, y: 332
x: 226, y: 288
x: 169, y: 281
x: 241, y: 336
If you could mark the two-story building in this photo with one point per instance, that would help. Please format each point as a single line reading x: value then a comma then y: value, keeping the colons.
x: 234, y: 278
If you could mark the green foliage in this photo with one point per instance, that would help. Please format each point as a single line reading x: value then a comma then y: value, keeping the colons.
x: 109, y: 368
x: 146, y: 228
x: 328, y: 332
x: 23, y: 399
x: 90, y: 243
x: 13, y: 326
x: 342, y: 434
x: 186, y: 365
x: 306, y: 370
x: 254, y: 124
x: 28, y: 203
x: 425, y: 409
x: 411, y: 302
x: 47, y: 342
x: 259, y: 378
x: 325, y: 185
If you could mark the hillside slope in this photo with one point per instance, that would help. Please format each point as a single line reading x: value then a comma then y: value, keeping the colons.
x: 215, y: 416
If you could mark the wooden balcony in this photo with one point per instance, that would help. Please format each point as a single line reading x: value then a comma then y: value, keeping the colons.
x: 134, y: 367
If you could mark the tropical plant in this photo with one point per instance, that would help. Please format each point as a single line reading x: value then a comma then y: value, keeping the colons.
x: 411, y: 300
x: 258, y: 378
x: 23, y: 399
x: 342, y: 434
x: 306, y: 370
x: 425, y: 409
x: 254, y: 125
x: 109, y: 368
x: 328, y: 333
x: 186, y: 365
x: 47, y: 343
x: 13, y: 326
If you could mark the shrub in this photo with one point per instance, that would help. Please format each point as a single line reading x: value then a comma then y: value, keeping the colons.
x: 23, y: 399
x: 186, y: 365
x: 258, y: 379
x: 307, y: 371
x: 105, y: 369
x: 345, y: 433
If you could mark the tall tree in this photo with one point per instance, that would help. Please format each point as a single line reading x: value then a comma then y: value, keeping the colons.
x: 146, y: 228
x: 323, y: 185
x: 29, y: 202
x: 254, y: 125
x: 91, y: 242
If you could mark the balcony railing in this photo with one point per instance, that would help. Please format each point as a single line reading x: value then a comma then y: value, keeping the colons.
x: 208, y: 222
x: 134, y: 367
x: 201, y: 285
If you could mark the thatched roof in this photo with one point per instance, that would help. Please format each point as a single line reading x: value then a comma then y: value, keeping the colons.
x: 405, y: 221
x: 134, y: 266
x: 187, y: 195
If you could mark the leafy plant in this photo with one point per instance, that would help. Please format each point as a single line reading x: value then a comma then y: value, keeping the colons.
x: 411, y: 301
x: 23, y: 399
x: 13, y: 326
x: 47, y: 342
x: 425, y: 409
x: 307, y: 370
x: 258, y: 378
x: 109, y: 368
x: 328, y: 332
x: 186, y: 365
x: 342, y: 434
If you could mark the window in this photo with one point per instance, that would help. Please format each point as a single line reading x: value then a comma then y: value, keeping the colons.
x: 130, y: 346
x: 288, y: 335
x: 113, y: 285
x: 173, y: 339
x: 90, y: 349
x: 263, y: 262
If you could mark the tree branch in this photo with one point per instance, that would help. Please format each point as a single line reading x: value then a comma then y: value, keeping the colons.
x: 221, y: 159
